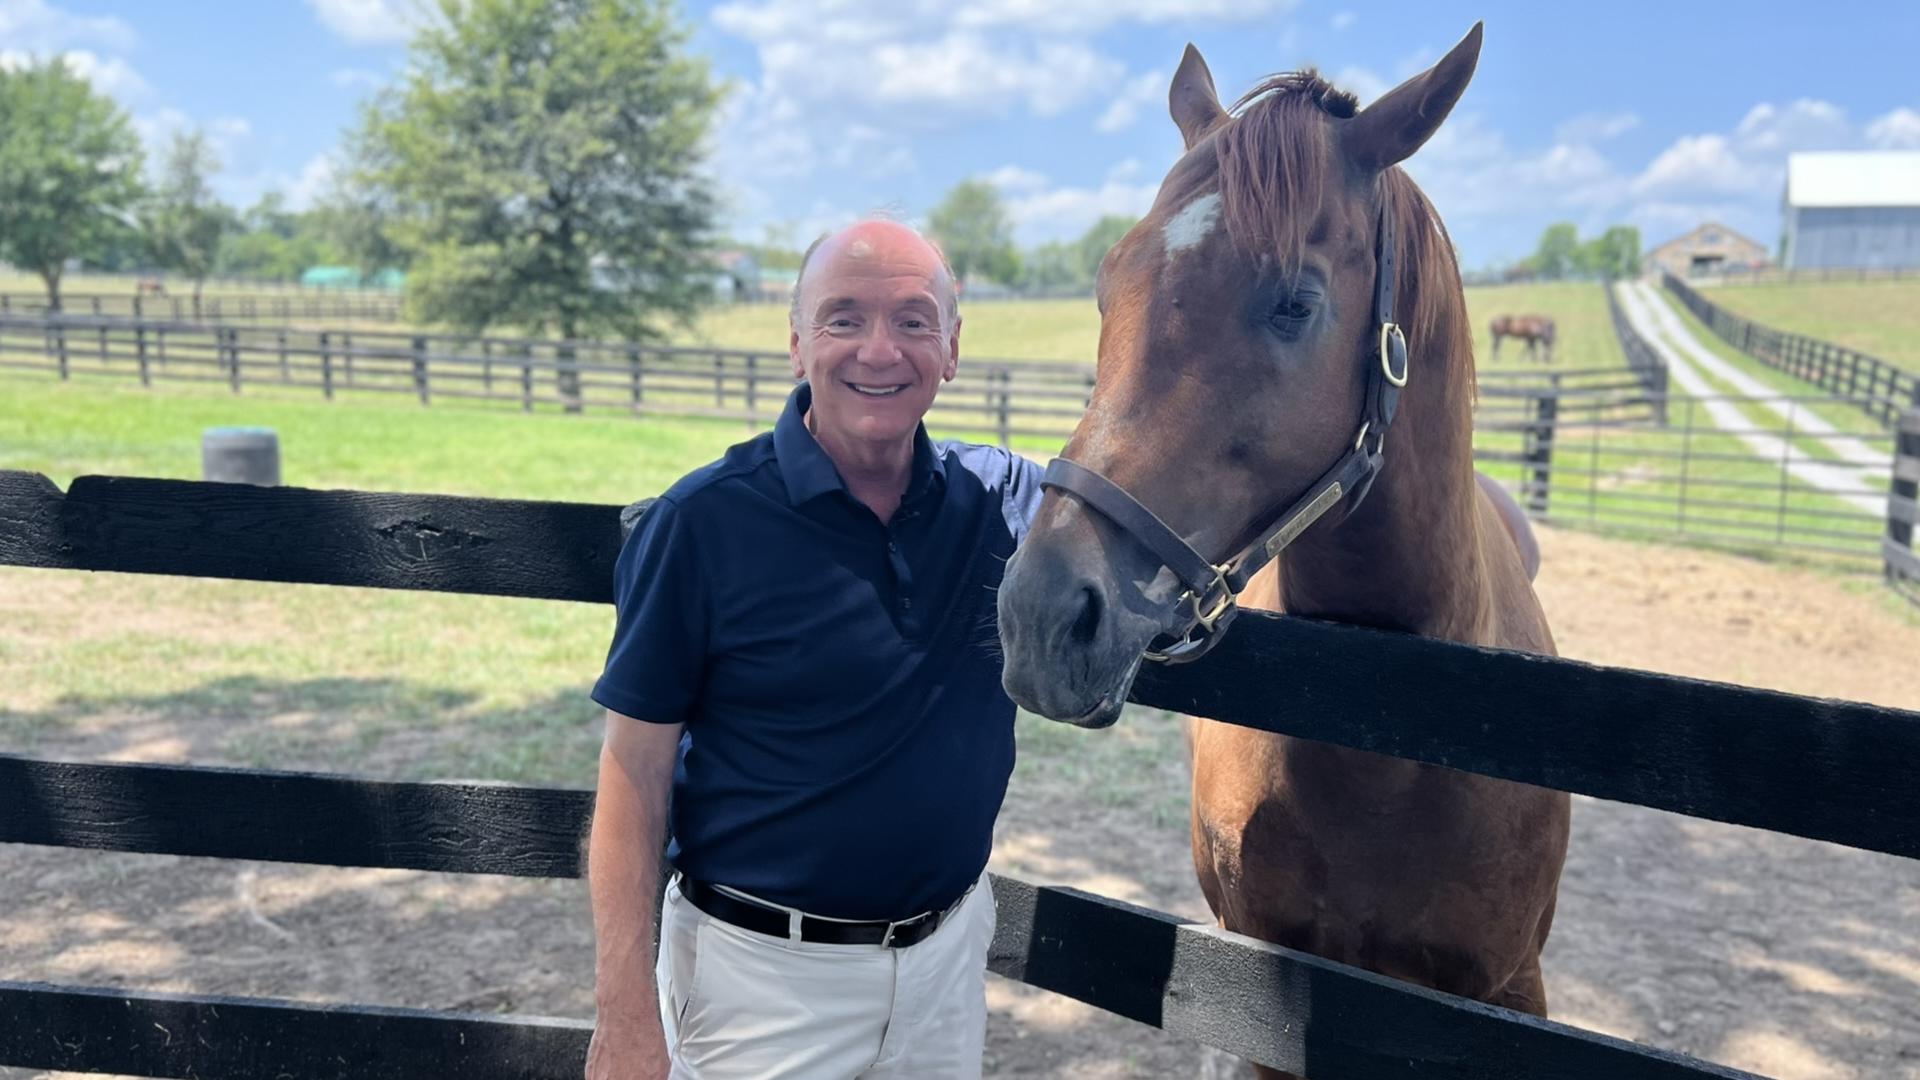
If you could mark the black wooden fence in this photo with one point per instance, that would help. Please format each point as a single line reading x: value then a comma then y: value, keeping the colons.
x: 1831, y: 770
x: 223, y: 307
x: 997, y: 400
x: 1903, y: 510
x: 1880, y: 389
x: 1642, y: 358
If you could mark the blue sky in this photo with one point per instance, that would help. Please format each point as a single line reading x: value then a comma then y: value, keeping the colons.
x: 1658, y: 114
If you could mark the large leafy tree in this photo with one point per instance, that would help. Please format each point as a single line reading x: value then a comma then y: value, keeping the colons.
x: 183, y: 221
x: 540, y: 166
x: 1559, y: 252
x: 975, y: 232
x: 1094, y: 244
x: 69, y: 169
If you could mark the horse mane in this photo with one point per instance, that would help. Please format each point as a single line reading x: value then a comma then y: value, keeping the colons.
x: 1277, y: 165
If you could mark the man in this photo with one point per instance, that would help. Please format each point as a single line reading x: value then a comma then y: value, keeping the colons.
x: 815, y: 612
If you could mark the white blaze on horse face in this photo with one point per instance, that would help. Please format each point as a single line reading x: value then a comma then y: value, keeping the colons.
x: 1194, y: 223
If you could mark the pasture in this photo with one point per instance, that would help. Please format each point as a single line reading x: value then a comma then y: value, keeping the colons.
x: 1881, y: 318
x: 1786, y: 956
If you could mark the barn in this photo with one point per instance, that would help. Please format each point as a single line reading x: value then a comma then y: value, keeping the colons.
x: 1712, y: 248
x: 1856, y: 210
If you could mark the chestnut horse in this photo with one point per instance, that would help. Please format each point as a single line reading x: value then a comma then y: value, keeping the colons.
x: 1535, y: 330
x: 1250, y: 338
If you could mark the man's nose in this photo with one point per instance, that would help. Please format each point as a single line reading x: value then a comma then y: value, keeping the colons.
x: 878, y: 346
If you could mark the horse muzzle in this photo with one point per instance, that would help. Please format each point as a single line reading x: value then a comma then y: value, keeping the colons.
x: 1072, y: 647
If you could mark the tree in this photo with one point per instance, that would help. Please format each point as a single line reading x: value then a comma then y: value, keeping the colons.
x: 1053, y: 265
x: 540, y: 167
x: 1617, y: 253
x: 1559, y: 250
x: 270, y: 241
x: 975, y: 232
x: 69, y: 169
x: 183, y: 221
x: 1098, y: 240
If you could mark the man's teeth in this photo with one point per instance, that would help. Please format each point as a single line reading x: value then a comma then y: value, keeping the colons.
x: 876, y: 391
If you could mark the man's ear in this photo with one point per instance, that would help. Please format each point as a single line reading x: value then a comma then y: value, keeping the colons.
x: 953, y: 352
x: 1192, y: 100
x: 1388, y: 131
x: 793, y: 350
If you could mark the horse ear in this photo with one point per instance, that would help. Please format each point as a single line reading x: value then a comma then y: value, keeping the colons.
x: 1388, y: 131
x: 1192, y: 100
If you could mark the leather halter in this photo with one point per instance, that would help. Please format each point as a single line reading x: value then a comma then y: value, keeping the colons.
x: 1212, y: 589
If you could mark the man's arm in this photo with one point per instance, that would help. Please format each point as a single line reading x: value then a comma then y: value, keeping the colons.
x: 623, y: 880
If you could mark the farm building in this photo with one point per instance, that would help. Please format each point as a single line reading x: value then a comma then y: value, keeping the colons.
x: 1853, y: 210
x: 1711, y: 248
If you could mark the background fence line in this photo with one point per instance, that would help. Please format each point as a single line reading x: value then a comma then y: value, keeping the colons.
x: 1882, y: 390
x: 226, y: 307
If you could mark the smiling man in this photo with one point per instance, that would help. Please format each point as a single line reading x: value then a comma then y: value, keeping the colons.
x: 814, y: 612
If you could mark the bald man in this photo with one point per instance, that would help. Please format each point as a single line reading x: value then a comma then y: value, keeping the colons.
x: 814, y: 614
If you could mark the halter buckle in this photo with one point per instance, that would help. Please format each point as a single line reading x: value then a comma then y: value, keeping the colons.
x: 1392, y: 342
x: 1212, y: 609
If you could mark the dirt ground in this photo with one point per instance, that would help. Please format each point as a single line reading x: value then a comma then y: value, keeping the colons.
x: 1791, y: 958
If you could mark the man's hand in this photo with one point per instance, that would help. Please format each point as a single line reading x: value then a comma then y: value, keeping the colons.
x: 636, y: 1051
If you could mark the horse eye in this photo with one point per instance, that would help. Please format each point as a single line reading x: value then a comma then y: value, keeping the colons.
x: 1291, y: 315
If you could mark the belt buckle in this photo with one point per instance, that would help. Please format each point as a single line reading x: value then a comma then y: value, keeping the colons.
x: 886, y: 939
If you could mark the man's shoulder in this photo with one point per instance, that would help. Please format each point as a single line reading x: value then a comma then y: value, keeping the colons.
x: 996, y: 466
x: 711, y: 487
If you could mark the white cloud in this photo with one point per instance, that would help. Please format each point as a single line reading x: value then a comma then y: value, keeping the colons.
x: 1041, y: 213
x: 1698, y: 163
x: 1125, y: 107
x: 1596, y: 127
x: 108, y: 75
x: 350, y: 78
x: 1343, y: 19
x: 314, y: 179
x: 1804, y: 125
x: 1362, y: 83
x: 34, y: 26
x: 1086, y: 16
x: 1013, y: 179
x: 366, y: 22
x: 1898, y: 130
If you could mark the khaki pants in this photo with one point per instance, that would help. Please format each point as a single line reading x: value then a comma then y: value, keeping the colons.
x: 737, y: 1004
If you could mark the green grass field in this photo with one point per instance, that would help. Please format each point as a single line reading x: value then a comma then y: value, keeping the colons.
x: 1880, y: 318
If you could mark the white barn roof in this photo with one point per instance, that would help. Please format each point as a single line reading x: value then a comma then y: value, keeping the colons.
x: 1870, y: 178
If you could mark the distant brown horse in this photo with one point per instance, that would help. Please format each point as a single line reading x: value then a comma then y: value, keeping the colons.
x: 1535, y: 330
x: 1254, y: 375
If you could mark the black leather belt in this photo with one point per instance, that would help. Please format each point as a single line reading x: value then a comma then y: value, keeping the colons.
x: 773, y: 921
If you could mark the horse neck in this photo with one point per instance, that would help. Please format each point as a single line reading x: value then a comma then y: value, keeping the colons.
x: 1409, y: 557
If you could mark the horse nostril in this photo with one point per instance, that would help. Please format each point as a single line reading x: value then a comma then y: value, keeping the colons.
x: 1087, y: 623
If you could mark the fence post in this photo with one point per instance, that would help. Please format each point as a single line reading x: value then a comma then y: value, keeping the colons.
x: 1006, y: 407
x: 1539, y: 448
x: 139, y: 306
x: 286, y: 372
x: 719, y: 385
x: 103, y: 331
x: 231, y: 336
x: 140, y: 352
x: 346, y: 356
x: 420, y: 367
x: 60, y: 340
x: 752, y: 374
x: 486, y: 367
x: 526, y: 378
x: 633, y: 363
x: 1906, y: 485
x: 326, y: 364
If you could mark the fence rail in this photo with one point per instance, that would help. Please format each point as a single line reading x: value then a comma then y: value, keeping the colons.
x: 1882, y: 390
x: 1774, y: 275
x: 224, y: 307
x: 1830, y: 770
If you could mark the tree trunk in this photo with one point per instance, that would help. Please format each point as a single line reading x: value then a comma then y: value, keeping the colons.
x: 197, y: 283
x: 52, y: 278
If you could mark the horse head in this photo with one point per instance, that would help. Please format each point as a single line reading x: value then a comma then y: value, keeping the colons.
x: 1245, y: 358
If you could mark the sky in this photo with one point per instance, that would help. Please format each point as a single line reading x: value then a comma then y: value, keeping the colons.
x: 1661, y: 115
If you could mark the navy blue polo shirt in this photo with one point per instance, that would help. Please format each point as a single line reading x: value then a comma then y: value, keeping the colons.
x: 848, y: 743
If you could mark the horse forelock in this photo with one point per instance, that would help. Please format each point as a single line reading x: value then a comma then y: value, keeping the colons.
x: 1278, y: 167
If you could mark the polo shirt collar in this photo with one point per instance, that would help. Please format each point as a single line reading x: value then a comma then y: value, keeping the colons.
x: 809, y: 473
